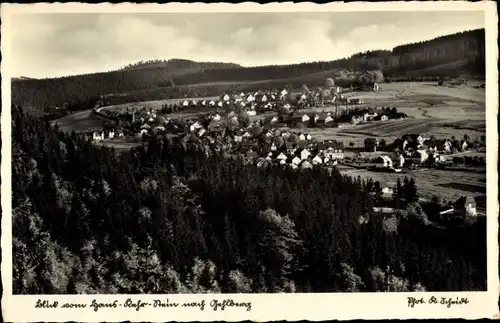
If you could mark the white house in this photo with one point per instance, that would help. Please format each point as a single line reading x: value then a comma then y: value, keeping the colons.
x: 216, y: 117
x: 282, y: 161
x: 308, y: 137
x: 334, y: 152
x: 264, y: 98
x: 356, y: 119
x: 283, y: 93
x: 306, y: 165
x: 305, y: 118
x: 387, y: 191
x: 195, y: 126
x: 201, y: 132
x: 470, y: 208
x: 273, y: 147
x: 317, y: 160
x: 194, y: 102
x: 226, y: 98
x: 97, y: 136
x: 220, y: 103
x: 212, y: 103
x: 399, y: 161
x: 423, y: 155
x: 296, y: 160
x: 447, y: 146
x: 246, y: 135
x: 464, y: 146
x: 203, y: 102
x: 142, y: 132
x: 251, y: 112
x: 285, y: 134
x: 273, y: 120
x: 302, y: 137
x: 384, y: 118
x: 282, y: 157
x: 369, y: 116
x: 304, y: 154
x: 238, y: 138
x: 250, y: 98
x: 111, y: 134
x: 421, y: 139
x: 185, y: 103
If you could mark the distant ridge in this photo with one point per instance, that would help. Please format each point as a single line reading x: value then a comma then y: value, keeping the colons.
x: 461, y: 53
x: 176, y: 63
x: 22, y: 78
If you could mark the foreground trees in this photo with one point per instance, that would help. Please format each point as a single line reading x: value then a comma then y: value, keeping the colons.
x: 164, y: 218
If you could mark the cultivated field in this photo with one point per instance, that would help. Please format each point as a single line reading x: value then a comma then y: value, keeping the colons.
x: 81, y: 121
x: 434, y: 110
x: 447, y: 184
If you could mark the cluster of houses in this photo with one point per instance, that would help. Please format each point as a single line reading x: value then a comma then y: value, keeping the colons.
x: 375, y: 114
x: 414, y: 150
x: 264, y: 145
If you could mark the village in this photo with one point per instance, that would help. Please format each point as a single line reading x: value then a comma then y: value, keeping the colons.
x: 265, y: 128
x: 270, y: 127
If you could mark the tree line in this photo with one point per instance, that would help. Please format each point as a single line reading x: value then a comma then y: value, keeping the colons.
x: 166, y: 218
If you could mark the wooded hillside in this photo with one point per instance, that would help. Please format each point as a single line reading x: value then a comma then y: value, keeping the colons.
x: 461, y: 47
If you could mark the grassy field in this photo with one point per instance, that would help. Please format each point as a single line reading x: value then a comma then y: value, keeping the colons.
x: 433, y: 110
x: 119, y: 145
x: 448, y: 185
x: 80, y: 122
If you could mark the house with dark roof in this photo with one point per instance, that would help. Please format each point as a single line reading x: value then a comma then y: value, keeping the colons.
x: 371, y: 144
x: 290, y: 147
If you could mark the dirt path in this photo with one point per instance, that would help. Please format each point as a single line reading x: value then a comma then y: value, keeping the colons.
x: 424, y: 113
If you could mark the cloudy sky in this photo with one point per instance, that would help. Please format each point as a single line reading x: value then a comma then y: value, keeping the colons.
x: 51, y: 45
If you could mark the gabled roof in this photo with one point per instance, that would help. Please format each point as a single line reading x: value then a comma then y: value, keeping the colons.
x: 301, y: 150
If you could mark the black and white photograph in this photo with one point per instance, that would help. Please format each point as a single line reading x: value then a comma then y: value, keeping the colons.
x: 248, y: 152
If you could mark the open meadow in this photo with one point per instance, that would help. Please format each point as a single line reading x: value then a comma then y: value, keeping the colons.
x: 433, y: 110
x: 447, y: 184
x: 81, y: 121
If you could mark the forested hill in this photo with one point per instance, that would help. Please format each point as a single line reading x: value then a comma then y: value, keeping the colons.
x: 80, y: 88
x: 177, y: 64
x: 163, y: 218
x: 461, y: 53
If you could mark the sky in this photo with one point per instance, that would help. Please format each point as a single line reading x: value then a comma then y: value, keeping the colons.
x: 53, y: 45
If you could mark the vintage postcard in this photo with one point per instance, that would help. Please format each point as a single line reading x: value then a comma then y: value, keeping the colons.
x: 228, y: 162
